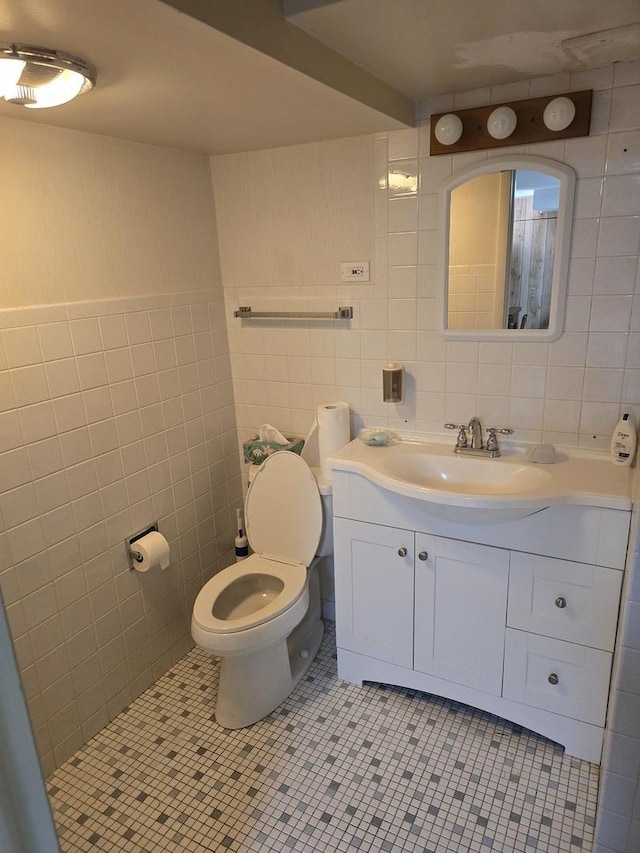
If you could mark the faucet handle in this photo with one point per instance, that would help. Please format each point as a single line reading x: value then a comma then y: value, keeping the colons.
x: 492, y: 441
x: 461, y: 440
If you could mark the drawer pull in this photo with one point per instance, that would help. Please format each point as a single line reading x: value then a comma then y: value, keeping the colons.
x: 402, y: 552
x: 561, y: 602
x: 423, y: 555
x: 553, y: 678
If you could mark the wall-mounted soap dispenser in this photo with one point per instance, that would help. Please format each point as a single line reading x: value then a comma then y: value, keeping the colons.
x: 392, y: 383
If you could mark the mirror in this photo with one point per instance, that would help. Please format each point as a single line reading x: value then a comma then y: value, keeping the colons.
x: 504, y: 241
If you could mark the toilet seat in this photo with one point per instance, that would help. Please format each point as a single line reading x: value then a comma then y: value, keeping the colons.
x: 283, y: 510
x: 292, y: 577
x: 283, y: 516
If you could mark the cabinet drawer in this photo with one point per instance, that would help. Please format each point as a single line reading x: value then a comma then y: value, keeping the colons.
x: 532, y: 664
x: 567, y: 601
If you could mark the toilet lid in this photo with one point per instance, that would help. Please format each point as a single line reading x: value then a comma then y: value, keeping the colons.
x: 292, y: 578
x: 283, y: 510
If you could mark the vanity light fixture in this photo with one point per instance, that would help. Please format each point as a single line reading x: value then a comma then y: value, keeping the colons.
x: 559, y: 113
x: 502, y: 122
x: 38, y: 77
x: 543, y: 119
x: 448, y: 130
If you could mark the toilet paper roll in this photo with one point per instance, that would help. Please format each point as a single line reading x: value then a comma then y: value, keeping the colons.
x: 149, y: 551
x: 333, y: 432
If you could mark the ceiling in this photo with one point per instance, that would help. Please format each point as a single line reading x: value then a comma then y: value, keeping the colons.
x: 431, y: 47
x: 214, y: 76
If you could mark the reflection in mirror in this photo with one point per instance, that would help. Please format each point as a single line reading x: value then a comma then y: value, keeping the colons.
x: 505, y: 240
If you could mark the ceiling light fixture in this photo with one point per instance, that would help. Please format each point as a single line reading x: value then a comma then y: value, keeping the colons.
x: 38, y: 77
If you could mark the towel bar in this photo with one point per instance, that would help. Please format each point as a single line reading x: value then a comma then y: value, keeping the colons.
x: 245, y: 313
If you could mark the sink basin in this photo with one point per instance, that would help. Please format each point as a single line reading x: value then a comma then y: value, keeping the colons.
x: 479, y: 490
x: 464, y: 475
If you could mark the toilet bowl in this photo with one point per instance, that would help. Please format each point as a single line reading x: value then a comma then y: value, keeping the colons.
x: 261, y: 616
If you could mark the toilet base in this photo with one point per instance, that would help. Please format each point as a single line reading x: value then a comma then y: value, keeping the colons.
x: 253, y: 685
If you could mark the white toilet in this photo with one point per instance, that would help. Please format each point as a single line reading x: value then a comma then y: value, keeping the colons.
x: 262, y: 615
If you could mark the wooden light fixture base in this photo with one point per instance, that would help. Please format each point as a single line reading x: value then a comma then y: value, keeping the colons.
x: 530, y: 126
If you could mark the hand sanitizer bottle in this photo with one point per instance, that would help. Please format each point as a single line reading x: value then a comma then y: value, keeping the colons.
x: 623, y: 441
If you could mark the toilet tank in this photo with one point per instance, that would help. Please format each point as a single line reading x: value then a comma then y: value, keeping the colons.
x: 326, y: 494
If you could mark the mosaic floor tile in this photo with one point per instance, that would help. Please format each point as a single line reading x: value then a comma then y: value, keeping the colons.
x: 336, y: 768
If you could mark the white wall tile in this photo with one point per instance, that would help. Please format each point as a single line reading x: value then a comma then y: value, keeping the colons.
x: 606, y: 349
x: 85, y: 336
x: 616, y: 275
x: 21, y: 346
x: 620, y: 195
x: 62, y: 377
x: 29, y: 385
x: 55, y: 341
x: 603, y: 385
x: 625, y: 109
x: 610, y: 313
x: 92, y: 370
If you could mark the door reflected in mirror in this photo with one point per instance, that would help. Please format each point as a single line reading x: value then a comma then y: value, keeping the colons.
x: 505, y: 236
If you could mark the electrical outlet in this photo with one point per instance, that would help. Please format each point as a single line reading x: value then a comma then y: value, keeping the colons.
x: 354, y: 271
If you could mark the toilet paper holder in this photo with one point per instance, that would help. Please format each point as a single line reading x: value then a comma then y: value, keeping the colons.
x: 134, y: 556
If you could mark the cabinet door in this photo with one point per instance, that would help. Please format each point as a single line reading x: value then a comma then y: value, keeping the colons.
x: 461, y: 608
x: 374, y: 590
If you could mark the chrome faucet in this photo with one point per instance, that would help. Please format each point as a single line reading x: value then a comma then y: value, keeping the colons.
x: 476, y: 446
x: 476, y: 433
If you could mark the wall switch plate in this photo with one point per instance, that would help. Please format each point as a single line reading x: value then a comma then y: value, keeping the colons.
x: 354, y: 271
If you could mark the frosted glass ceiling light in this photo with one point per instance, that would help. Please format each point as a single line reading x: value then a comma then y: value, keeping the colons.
x: 502, y: 122
x: 559, y: 113
x: 37, y: 77
x: 10, y: 71
x: 448, y: 130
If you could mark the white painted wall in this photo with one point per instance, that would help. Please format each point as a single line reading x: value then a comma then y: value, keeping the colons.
x: 89, y: 217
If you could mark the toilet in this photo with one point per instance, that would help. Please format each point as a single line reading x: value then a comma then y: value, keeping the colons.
x: 261, y: 616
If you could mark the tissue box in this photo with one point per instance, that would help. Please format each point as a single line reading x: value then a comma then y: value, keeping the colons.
x: 256, y: 451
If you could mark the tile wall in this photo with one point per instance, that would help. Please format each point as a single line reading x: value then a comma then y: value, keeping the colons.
x: 618, y: 818
x: 570, y: 391
x: 113, y: 414
x: 116, y: 410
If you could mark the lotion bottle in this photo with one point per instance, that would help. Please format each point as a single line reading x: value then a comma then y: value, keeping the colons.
x: 623, y: 441
x: 241, y: 541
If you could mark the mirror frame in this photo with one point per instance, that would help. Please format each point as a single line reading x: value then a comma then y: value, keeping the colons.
x: 567, y: 178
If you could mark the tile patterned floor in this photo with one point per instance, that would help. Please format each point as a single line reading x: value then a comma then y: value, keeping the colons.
x: 336, y: 768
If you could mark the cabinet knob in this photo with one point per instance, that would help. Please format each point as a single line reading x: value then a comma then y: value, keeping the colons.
x: 553, y: 678
x: 423, y: 555
x: 561, y: 602
x: 402, y: 552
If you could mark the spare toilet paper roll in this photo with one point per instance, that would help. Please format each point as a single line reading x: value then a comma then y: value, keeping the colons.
x: 333, y: 432
x: 152, y: 550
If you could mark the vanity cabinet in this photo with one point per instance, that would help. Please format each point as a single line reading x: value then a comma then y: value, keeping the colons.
x: 472, y: 613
